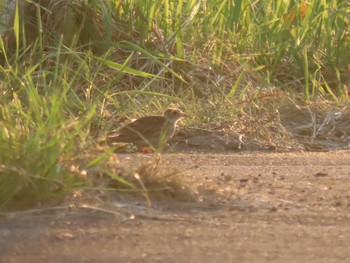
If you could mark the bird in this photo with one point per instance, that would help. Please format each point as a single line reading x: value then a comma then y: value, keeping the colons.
x: 148, y: 131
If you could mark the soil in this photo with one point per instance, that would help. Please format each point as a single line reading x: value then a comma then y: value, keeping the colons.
x: 239, y: 207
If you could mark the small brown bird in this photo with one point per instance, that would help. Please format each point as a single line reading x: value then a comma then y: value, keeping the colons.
x: 148, y: 131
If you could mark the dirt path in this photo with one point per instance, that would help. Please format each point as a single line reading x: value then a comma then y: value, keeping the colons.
x: 251, y: 207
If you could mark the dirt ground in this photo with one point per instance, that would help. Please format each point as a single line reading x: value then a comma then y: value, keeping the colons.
x: 245, y: 207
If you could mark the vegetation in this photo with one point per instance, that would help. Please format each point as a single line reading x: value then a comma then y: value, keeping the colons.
x: 71, y: 69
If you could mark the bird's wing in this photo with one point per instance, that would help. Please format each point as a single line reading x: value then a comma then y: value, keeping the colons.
x: 145, y: 126
x: 148, y: 124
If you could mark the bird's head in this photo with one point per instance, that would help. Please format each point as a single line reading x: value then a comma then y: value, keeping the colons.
x: 173, y: 115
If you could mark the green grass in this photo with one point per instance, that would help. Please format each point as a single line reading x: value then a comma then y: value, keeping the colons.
x: 65, y: 86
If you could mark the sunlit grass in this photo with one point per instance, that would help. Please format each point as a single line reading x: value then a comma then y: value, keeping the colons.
x: 62, y: 87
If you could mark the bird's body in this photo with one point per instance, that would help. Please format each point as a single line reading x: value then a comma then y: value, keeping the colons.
x: 148, y: 131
